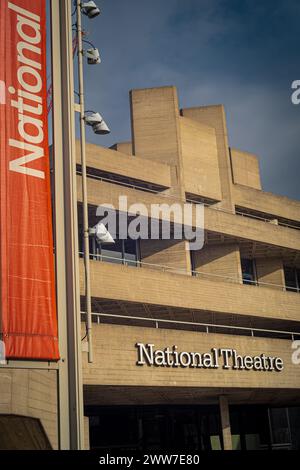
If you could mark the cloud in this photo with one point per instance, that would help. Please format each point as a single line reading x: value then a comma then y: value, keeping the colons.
x: 241, y: 54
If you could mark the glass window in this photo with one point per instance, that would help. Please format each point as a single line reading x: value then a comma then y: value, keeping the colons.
x: 298, y: 278
x: 248, y: 271
x: 280, y: 428
x: 120, y: 252
x: 193, y: 263
x: 292, y: 279
x: 131, y: 252
x: 112, y: 252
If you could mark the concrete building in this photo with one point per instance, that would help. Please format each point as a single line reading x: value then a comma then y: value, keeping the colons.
x: 154, y: 298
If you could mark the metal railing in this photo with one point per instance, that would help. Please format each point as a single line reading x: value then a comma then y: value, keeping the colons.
x: 265, y: 219
x: 208, y: 326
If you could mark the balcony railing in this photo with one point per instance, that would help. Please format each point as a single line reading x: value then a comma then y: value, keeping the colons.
x: 208, y: 327
x: 195, y: 273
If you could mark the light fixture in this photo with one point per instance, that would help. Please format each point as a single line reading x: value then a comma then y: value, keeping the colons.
x: 93, y: 56
x: 97, y: 122
x: 101, y: 128
x: 90, y: 9
x: 93, y: 118
x: 101, y: 233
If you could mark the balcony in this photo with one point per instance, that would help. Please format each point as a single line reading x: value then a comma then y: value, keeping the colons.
x: 278, y: 206
x: 166, y: 288
x: 111, y: 163
x: 215, y: 220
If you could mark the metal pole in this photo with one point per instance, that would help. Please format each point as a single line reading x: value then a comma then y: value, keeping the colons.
x: 70, y: 387
x: 84, y: 188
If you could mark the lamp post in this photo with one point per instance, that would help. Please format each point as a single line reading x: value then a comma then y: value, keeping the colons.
x: 99, y: 127
x: 84, y: 186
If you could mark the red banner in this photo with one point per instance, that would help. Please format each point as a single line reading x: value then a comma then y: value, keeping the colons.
x: 28, y: 323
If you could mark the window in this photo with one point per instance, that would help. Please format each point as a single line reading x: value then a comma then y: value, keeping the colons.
x: 120, y: 252
x: 292, y: 279
x: 249, y: 271
x: 131, y: 252
x: 193, y: 262
x: 280, y: 428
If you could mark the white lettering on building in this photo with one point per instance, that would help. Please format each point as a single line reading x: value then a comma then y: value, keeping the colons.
x: 226, y: 357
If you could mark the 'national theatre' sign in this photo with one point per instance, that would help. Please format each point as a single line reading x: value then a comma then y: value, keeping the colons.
x: 225, y: 358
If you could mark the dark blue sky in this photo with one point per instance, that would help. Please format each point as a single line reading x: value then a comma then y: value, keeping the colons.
x: 244, y: 54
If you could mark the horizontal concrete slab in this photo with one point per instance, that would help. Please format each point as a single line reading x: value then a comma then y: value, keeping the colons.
x: 133, y: 167
x: 214, y: 220
x: 269, y: 203
x: 110, y: 281
x: 117, y: 362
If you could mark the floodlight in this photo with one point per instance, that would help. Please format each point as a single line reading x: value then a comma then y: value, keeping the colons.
x: 101, y: 233
x: 101, y: 128
x: 90, y: 9
x: 93, y: 118
x: 97, y: 122
x: 93, y: 56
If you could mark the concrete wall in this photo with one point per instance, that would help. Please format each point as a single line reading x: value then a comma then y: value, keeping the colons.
x: 214, y: 116
x: 118, y: 163
x: 214, y: 220
x: 116, y: 356
x: 156, y: 136
x: 170, y: 253
x: 270, y: 271
x: 222, y: 260
x: 245, y: 169
x: 143, y: 285
x: 200, y: 159
x: 266, y: 202
x: 155, y: 130
x: 123, y: 147
x: 31, y: 393
x: 155, y: 117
